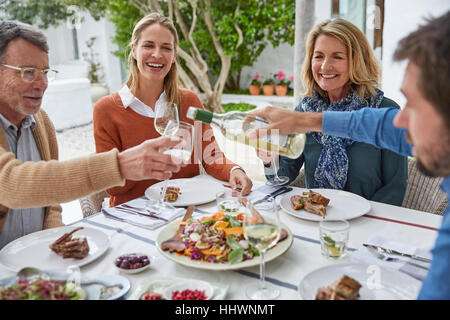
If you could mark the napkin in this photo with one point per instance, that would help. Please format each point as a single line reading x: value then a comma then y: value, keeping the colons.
x: 364, y: 255
x: 142, y: 221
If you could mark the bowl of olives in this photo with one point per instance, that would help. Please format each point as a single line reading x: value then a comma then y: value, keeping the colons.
x: 132, y: 262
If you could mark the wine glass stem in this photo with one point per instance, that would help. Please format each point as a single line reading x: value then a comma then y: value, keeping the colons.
x: 275, y: 169
x: 262, y: 271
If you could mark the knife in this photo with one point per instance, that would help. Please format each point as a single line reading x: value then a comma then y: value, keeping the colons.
x: 412, y: 256
x: 274, y: 194
x: 149, y: 215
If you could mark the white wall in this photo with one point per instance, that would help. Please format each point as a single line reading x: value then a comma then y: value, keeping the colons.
x: 103, y: 30
x: 401, y: 18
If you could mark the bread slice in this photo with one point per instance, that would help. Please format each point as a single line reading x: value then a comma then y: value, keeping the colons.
x: 317, y: 198
x: 315, y: 208
x: 345, y: 288
x: 298, y: 202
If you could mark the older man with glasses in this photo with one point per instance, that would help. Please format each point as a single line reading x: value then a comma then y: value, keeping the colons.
x: 32, y: 182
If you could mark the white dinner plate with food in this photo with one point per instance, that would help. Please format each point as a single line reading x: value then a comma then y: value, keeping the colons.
x: 119, y: 285
x: 343, y: 205
x: 33, y: 249
x: 377, y: 283
x: 154, y: 288
x: 193, y: 191
x: 270, y: 255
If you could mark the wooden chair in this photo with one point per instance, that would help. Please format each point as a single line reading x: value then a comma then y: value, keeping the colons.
x: 423, y: 193
x: 92, y: 203
x: 300, y: 180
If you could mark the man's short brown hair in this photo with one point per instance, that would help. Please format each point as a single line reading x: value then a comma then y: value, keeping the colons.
x: 429, y: 48
x: 10, y: 30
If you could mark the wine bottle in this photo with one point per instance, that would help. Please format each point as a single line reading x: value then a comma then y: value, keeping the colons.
x: 236, y: 125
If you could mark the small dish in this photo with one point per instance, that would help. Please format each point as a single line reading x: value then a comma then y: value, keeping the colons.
x: 132, y: 262
x: 191, y: 285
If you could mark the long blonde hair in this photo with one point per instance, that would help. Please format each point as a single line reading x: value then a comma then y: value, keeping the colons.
x: 171, y: 79
x: 363, y: 66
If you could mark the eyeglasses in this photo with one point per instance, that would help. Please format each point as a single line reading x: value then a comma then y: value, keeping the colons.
x: 30, y: 74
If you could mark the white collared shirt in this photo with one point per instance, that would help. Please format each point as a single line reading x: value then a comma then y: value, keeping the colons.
x: 129, y: 100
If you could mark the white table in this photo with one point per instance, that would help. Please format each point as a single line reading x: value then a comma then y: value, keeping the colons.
x: 396, y: 223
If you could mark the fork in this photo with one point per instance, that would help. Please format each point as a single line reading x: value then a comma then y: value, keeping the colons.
x: 384, y: 257
x: 135, y: 210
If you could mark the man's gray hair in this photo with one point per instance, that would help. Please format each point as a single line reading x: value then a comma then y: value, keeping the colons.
x: 10, y: 30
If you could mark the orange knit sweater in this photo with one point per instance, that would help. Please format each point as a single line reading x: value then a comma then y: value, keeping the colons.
x: 117, y: 127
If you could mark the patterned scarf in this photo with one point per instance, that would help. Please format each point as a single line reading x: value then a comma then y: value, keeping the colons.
x: 332, y: 166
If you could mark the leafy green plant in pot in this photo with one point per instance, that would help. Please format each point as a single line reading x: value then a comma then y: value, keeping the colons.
x: 268, y: 87
x: 255, y: 85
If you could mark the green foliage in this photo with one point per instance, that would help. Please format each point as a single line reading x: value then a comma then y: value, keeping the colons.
x: 238, y: 107
x: 41, y: 13
x: 261, y: 22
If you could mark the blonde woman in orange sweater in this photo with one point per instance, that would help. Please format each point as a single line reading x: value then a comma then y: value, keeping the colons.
x: 125, y: 118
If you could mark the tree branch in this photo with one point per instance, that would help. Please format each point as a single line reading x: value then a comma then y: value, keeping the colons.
x: 238, y: 30
x: 225, y: 59
x: 170, y: 5
x: 140, y: 6
x: 156, y: 6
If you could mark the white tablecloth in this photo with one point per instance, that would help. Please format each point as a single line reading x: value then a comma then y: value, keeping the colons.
x: 396, y: 223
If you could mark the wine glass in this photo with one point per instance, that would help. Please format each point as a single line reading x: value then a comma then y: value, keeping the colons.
x: 276, y: 179
x: 181, y: 153
x: 262, y: 230
x: 164, y: 114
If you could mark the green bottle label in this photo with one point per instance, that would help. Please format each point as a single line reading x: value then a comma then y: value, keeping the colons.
x: 204, y: 116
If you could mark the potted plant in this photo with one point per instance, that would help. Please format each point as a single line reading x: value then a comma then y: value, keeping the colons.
x: 282, y: 85
x: 95, y: 72
x: 268, y: 87
x: 255, y: 85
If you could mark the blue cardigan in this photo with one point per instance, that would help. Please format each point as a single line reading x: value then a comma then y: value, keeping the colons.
x: 375, y: 174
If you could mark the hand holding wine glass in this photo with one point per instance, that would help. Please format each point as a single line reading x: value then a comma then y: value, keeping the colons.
x: 180, y: 153
x: 262, y: 229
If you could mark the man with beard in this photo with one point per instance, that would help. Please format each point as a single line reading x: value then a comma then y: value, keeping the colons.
x: 421, y: 128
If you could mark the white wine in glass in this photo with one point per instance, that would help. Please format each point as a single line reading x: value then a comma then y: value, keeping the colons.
x: 262, y: 229
x: 166, y: 113
x: 181, y: 153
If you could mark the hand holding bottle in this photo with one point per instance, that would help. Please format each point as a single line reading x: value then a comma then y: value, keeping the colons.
x: 236, y: 126
x: 286, y: 121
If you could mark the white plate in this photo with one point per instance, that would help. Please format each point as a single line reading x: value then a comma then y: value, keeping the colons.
x: 377, y: 283
x: 271, y: 254
x: 189, y: 285
x: 33, y: 249
x: 343, y: 205
x: 159, y: 285
x: 194, y: 191
x: 92, y: 291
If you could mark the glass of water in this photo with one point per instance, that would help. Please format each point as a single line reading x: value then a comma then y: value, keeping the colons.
x: 228, y: 201
x: 334, y: 238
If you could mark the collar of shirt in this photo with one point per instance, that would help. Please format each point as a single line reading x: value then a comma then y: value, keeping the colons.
x: 129, y: 100
x: 27, y: 122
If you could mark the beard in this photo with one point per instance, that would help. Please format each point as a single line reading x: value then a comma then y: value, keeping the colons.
x: 437, y: 162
